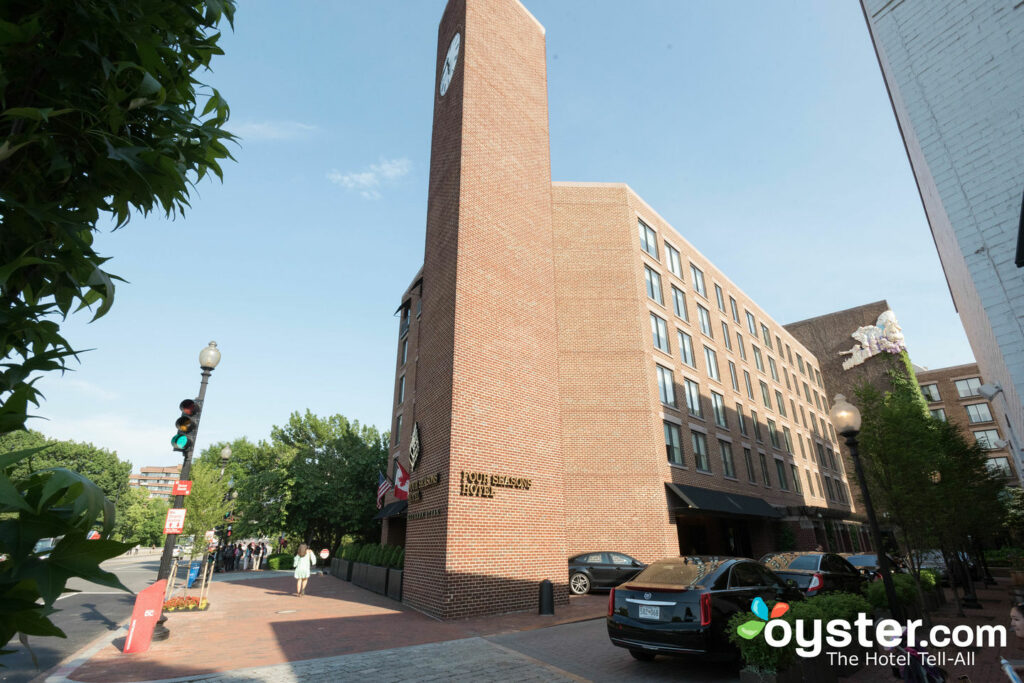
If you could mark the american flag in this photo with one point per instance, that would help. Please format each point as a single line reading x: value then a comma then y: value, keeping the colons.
x: 383, y: 486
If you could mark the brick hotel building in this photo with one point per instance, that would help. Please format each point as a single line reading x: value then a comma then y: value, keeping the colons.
x: 572, y: 374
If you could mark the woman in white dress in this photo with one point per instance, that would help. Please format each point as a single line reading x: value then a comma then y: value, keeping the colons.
x: 303, y: 562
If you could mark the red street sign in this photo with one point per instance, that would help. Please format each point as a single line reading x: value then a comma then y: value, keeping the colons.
x: 175, y: 522
x: 148, y: 605
x: 182, y: 487
x: 324, y: 553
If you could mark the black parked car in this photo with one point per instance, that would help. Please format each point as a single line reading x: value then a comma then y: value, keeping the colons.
x: 867, y: 564
x: 601, y: 570
x: 816, y: 572
x: 681, y: 605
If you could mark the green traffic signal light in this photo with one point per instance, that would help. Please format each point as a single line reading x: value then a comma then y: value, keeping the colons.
x: 186, y: 425
x: 180, y: 442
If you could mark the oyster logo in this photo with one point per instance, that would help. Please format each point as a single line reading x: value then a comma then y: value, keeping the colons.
x: 750, y: 629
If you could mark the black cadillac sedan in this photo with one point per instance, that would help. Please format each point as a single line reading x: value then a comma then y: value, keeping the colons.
x: 681, y: 605
x: 601, y: 570
x: 816, y: 572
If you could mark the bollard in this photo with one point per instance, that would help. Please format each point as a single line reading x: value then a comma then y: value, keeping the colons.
x: 547, y: 598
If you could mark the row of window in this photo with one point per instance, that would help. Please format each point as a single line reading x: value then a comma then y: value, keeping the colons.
x: 965, y: 388
x: 780, y: 440
x: 649, y: 244
x: 833, y: 489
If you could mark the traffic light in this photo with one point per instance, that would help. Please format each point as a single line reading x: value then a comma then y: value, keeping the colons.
x: 186, y: 425
x: 229, y: 530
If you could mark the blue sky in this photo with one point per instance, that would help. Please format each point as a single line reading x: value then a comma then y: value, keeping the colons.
x: 761, y: 131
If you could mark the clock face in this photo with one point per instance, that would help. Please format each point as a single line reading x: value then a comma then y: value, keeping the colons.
x: 449, y: 63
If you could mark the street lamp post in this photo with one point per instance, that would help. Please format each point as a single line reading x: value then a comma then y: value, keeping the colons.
x: 209, y: 357
x: 846, y: 419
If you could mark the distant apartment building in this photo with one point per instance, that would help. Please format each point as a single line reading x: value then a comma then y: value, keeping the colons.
x: 953, y: 395
x: 955, y: 75
x: 158, y: 481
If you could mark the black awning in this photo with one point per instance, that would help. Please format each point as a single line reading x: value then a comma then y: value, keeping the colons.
x: 707, y: 500
x: 392, y: 509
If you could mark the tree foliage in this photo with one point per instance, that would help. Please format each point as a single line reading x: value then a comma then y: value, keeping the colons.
x: 100, y: 116
x: 205, y: 506
x: 140, y: 520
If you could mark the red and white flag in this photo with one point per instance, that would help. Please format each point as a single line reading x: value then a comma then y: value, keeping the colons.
x: 401, y: 482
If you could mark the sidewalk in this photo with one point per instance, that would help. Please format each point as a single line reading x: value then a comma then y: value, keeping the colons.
x: 257, y: 630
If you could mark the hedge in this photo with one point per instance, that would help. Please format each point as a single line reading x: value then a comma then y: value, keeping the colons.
x: 281, y: 561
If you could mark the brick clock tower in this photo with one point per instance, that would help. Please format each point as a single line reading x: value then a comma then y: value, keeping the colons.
x: 486, y: 520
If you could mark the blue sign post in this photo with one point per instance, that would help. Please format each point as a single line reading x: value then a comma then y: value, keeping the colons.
x: 193, y: 572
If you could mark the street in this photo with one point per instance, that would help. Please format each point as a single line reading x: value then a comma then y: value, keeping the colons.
x: 83, y: 616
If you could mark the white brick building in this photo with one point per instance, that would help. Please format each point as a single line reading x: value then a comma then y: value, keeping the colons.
x: 955, y: 74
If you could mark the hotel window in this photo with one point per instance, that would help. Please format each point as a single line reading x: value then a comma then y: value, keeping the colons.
x: 741, y: 419
x: 739, y: 345
x: 732, y: 377
x: 788, y: 438
x: 780, y: 470
x: 648, y: 239
x: 789, y: 354
x: 704, y: 319
x: 800, y: 363
x: 698, y: 281
x: 773, y: 434
x: 401, y: 389
x: 967, y: 387
x: 735, y: 311
x: 720, y: 298
x: 711, y: 360
x: 938, y: 413
x: 824, y: 431
x: 758, y: 360
x: 659, y: 333
x: 987, y: 438
x: 748, y: 459
x: 978, y: 412
x: 666, y: 387
x: 832, y: 459
x: 764, y: 469
x: 841, y: 487
x: 772, y: 369
x: 803, y: 451
x: 780, y: 403
x: 817, y: 376
x: 757, y: 425
x: 672, y: 444
x: 674, y: 265
x: 817, y: 400
x: 750, y: 389
x: 807, y: 393
x: 700, y: 451
x: 405, y: 351
x: 821, y: 456
x: 751, y: 324
x: 785, y: 375
x: 831, y: 491
x: 679, y: 304
x: 766, y: 396
x: 999, y: 466
x: 931, y: 392
x: 686, y: 349
x: 778, y: 344
x: 766, y: 335
x: 725, y: 336
x: 814, y: 425
x: 796, y: 478
x: 653, y: 285
x: 810, y: 483
x: 832, y: 431
x: 718, y: 409
x: 792, y: 409
x: 728, y: 467
x: 693, y: 399
x: 398, y: 430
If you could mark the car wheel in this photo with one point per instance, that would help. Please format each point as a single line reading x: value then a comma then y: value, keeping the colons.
x: 579, y: 583
x: 642, y: 656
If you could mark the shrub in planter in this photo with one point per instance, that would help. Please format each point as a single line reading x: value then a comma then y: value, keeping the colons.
x: 929, y: 580
x: 759, y: 657
x: 906, y: 592
x: 840, y: 605
x: 351, y: 551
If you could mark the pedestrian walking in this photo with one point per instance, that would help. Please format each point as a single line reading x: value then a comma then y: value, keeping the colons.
x: 303, y: 562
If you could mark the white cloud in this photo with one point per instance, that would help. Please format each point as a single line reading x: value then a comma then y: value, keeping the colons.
x: 272, y: 130
x: 368, y: 182
x: 90, y: 389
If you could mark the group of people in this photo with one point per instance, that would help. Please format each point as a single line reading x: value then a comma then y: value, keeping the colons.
x: 242, y: 557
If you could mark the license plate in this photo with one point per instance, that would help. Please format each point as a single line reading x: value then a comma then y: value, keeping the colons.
x: 649, y: 612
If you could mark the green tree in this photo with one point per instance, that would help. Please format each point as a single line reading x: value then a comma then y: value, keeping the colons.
x: 100, y: 116
x: 205, y: 506
x: 141, y: 521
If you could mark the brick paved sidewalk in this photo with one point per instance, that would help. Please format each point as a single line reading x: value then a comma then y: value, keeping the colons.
x: 260, y: 623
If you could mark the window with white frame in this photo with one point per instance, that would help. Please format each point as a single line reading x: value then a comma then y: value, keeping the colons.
x: 700, y: 451
x: 751, y: 324
x: 698, y: 281
x: 796, y: 478
x: 758, y: 360
x: 748, y: 460
x: 780, y: 403
x: 720, y: 298
x: 673, y: 446
x: 704, y: 320
x: 401, y: 389
x: 741, y: 419
x: 739, y: 345
x: 659, y: 334
x: 1000, y: 466
x: 711, y: 360
x: 648, y: 239
x: 938, y: 413
x: 653, y: 280
x: 718, y: 409
x: 780, y: 470
x: 750, y: 388
x: 787, y: 436
x: 773, y: 434
x: 679, y: 304
x: 728, y: 467
x: 693, y: 398
x: 967, y: 387
x: 931, y: 392
x: 757, y: 425
x: 686, y: 349
x: 732, y: 377
x: 725, y: 336
x: 774, y: 371
x: 734, y: 309
x: 987, y: 438
x: 978, y: 412
x: 766, y: 396
x: 666, y: 387
x: 764, y: 469
x: 766, y: 335
x: 675, y: 266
